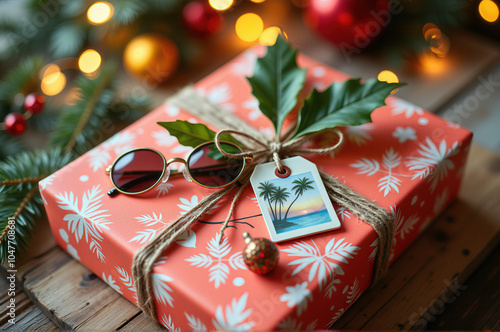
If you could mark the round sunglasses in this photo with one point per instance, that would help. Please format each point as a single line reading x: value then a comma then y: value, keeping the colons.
x: 139, y: 170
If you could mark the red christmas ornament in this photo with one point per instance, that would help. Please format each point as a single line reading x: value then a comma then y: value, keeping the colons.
x: 260, y: 255
x: 34, y: 103
x: 15, y: 124
x: 201, y: 20
x: 351, y: 24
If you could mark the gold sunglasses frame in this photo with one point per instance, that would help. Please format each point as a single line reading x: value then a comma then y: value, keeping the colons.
x: 166, y: 163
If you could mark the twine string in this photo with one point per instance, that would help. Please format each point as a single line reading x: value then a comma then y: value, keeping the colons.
x: 260, y: 149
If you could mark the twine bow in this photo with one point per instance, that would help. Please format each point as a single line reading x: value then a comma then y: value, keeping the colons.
x: 260, y: 149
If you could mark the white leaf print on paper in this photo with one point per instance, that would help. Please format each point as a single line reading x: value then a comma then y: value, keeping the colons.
x: 373, y: 254
x: 291, y: 324
x: 343, y: 213
x: 434, y: 162
x: 354, y: 292
x: 244, y: 65
x: 331, y: 287
x: 390, y: 160
x: 43, y: 184
x: 102, y: 156
x: 439, y: 203
x: 298, y: 296
x: 186, y: 239
x: 163, y: 138
x: 219, y: 95
x: 189, y: 204
x: 400, y: 106
x: 359, y: 134
x: 161, y: 288
x: 252, y: 105
x: 402, y: 226
x: 88, y: 220
x: 218, y: 260
x: 404, y: 134
x: 69, y: 248
x: 233, y: 318
x: 336, y: 316
x: 111, y: 282
x: 126, y: 279
x: 195, y: 323
x: 168, y: 323
x: 163, y: 188
x: 325, y: 265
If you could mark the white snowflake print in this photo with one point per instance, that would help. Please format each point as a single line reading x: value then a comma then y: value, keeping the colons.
x: 359, y: 134
x: 354, y: 292
x: 195, y: 323
x: 400, y: 106
x: 244, y: 65
x: 298, y: 296
x: 216, y: 262
x: 161, y: 288
x: 155, y: 224
x: 325, y: 265
x: 404, y: 134
x: 390, y: 160
x: 291, y: 324
x: 218, y: 95
x: 69, y: 248
x: 88, y: 220
x: 111, y: 282
x: 168, y: 323
x: 43, y: 184
x: 252, y: 105
x: 434, y: 162
x: 336, y: 316
x: 163, y: 138
x: 102, y: 156
x: 233, y: 318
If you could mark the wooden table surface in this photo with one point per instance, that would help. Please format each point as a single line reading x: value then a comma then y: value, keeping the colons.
x: 463, y: 240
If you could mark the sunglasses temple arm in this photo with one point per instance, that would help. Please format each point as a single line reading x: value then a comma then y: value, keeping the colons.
x: 113, y: 192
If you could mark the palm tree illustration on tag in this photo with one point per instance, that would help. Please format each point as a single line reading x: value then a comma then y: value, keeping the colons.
x: 294, y: 204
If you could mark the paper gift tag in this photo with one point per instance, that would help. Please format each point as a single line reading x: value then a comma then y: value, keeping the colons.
x: 295, y: 204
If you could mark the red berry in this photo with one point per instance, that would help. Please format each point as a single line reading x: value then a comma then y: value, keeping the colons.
x: 34, y: 103
x: 15, y: 124
x: 201, y: 20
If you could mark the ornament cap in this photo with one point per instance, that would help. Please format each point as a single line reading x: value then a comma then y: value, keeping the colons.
x: 247, y: 237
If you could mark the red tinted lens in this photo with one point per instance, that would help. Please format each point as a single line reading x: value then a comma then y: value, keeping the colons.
x: 137, y: 170
x: 212, y: 169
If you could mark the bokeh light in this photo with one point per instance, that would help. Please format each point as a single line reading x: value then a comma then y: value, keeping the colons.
x: 89, y: 61
x: 249, y: 27
x: 53, y: 80
x: 257, y: 1
x: 434, y: 66
x: 489, y: 10
x: 389, y: 77
x: 220, y: 5
x: 268, y: 36
x: 100, y: 12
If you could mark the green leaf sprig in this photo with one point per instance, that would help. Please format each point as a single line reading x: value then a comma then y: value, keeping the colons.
x: 277, y: 82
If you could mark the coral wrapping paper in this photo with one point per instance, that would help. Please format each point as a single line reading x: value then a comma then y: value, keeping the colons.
x: 408, y: 161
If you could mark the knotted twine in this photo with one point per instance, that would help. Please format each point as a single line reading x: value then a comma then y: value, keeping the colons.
x: 261, y: 149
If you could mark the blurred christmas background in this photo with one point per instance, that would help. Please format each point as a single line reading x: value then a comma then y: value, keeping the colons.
x: 73, y: 73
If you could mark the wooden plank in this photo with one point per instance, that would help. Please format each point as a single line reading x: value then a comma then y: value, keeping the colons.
x: 418, y: 284
x: 31, y: 318
x: 142, y: 323
x: 72, y: 296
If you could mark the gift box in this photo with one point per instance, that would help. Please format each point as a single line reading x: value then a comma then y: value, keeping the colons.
x: 408, y: 161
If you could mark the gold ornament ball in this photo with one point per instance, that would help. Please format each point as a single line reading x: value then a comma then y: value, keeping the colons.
x: 152, y: 58
x: 260, y: 255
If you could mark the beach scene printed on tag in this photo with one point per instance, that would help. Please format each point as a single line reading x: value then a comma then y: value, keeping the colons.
x: 294, y: 206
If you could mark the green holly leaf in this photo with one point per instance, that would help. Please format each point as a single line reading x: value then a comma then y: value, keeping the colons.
x: 277, y: 81
x: 194, y: 134
x: 348, y: 103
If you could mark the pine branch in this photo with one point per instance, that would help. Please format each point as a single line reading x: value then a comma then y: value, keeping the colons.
x: 67, y: 40
x: 127, y: 11
x: 79, y: 127
x: 9, y: 146
x: 20, y: 76
x: 19, y: 195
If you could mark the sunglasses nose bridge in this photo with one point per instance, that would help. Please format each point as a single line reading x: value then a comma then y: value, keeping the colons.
x: 176, y: 160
